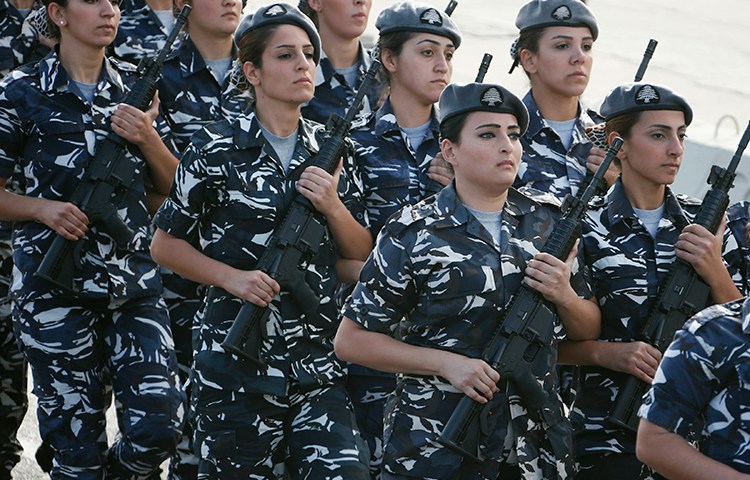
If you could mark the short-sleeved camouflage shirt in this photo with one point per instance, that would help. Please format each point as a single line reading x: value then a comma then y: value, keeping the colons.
x: 703, y: 383
x: 437, y: 279
x: 546, y: 165
x: 229, y: 192
x: 394, y: 173
x: 334, y: 95
x: 738, y: 255
x: 140, y: 33
x: 52, y: 132
x: 627, y: 268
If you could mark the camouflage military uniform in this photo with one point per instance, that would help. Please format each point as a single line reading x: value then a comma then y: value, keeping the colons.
x: 18, y: 45
x: 627, y: 267
x: 229, y: 192
x: 434, y: 273
x: 190, y: 99
x: 393, y: 174
x: 115, y: 331
x: 334, y: 95
x: 703, y: 381
x: 140, y: 32
x: 545, y: 164
x: 738, y: 256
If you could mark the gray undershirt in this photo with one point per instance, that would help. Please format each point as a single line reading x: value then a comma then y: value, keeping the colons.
x: 87, y: 91
x: 650, y: 218
x: 219, y: 68
x: 24, y: 11
x: 350, y: 74
x: 283, y: 146
x: 564, y: 130
x: 492, y: 221
x: 416, y: 135
x: 166, y: 17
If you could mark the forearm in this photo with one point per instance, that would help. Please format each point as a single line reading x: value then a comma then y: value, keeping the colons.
x: 161, y: 162
x: 587, y: 352
x: 581, y: 318
x: 353, y: 343
x: 19, y: 208
x: 354, y: 241
x: 674, y: 458
x: 723, y: 289
x: 182, y: 258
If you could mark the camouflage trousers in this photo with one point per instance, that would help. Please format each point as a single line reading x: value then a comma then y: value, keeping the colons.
x: 184, y: 464
x: 78, y: 350
x: 13, y: 401
x: 369, y: 394
x: 242, y: 435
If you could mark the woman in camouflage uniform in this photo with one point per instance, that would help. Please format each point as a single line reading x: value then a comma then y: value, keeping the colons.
x: 434, y: 288
x: 234, y: 184
x: 630, y: 239
x: 113, y: 332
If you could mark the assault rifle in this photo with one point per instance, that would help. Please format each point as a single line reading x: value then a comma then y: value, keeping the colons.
x: 295, y: 242
x: 524, y: 331
x: 597, y: 133
x: 682, y: 295
x: 108, y: 176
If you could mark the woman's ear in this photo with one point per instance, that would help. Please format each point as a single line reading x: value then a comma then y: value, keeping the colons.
x: 448, y: 151
x: 56, y: 14
x: 389, y: 60
x: 621, y: 154
x: 252, y: 74
x: 316, y: 5
x: 528, y: 60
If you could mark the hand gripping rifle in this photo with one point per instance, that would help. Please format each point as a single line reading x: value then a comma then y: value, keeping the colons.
x: 597, y: 133
x: 682, y: 295
x: 525, y: 329
x: 109, y: 174
x: 295, y: 242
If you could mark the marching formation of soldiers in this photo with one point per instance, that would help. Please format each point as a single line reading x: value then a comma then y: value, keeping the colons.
x: 409, y: 252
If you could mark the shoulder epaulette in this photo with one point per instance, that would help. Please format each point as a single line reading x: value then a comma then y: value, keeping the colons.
x: 122, y: 65
x: 687, y: 199
x: 212, y: 132
x: 540, y: 196
x: 409, y: 215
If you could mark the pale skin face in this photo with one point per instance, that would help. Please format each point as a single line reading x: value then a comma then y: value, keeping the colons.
x: 288, y: 69
x: 486, y: 158
x: 424, y: 67
x: 652, y: 154
x: 215, y: 17
x: 88, y: 23
x: 562, y: 64
x: 346, y: 19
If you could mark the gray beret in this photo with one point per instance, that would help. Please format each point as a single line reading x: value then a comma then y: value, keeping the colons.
x: 554, y: 13
x: 460, y: 98
x: 279, y: 14
x: 417, y: 17
x: 636, y: 97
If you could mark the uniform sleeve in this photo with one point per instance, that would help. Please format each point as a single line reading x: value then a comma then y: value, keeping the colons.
x: 684, y: 383
x: 386, y: 290
x: 735, y: 249
x: 187, y: 200
x: 11, y: 133
x: 352, y: 195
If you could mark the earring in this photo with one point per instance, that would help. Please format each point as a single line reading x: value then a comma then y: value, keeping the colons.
x: 62, y: 22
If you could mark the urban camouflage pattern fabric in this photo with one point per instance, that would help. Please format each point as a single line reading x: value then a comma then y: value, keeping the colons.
x: 192, y: 98
x: 18, y: 43
x: 738, y: 256
x: 393, y: 172
x: 47, y: 128
x: 703, y: 382
x: 77, y: 350
x: 334, y: 95
x: 545, y: 164
x: 229, y: 192
x: 311, y: 430
x: 140, y: 33
x: 627, y: 267
x: 437, y: 279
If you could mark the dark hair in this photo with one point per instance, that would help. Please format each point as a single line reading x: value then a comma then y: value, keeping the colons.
x: 252, y: 45
x: 450, y: 129
x: 622, y: 124
x: 304, y: 7
x: 529, y: 40
x: 54, y: 30
x: 394, y: 42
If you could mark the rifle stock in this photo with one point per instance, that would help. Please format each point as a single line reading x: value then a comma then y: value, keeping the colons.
x: 109, y: 173
x: 682, y: 295
x: 525, y: 329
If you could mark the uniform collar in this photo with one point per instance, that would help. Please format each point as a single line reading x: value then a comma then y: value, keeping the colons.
x: 536, y: 120
x: 620, y: 208
x: 247, y: 133
x: 327, y: 70
x: 451, y: 212
x: 386, y: 124
x: 191, y: 61
x: 52, y: 75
